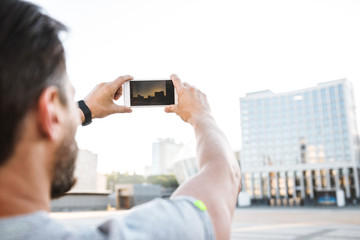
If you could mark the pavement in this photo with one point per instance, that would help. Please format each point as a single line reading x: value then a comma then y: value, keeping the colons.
x: 264, y: 223
x: 296, y: 223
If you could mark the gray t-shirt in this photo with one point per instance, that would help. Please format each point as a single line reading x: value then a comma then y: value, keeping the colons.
x: 178, y: 218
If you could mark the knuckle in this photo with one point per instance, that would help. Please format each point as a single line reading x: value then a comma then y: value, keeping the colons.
x: 101, y: 84
x: 107, y: 86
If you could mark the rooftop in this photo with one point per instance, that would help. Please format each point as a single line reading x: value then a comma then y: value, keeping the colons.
x: 267, y: 92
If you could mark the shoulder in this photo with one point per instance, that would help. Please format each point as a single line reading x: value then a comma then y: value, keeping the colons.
x: 40, y: 226
x: 177, y: 218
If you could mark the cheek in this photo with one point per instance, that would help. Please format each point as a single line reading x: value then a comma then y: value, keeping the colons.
x: 75, y: 115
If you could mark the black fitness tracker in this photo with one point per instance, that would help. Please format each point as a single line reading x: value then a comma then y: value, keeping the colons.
x: 87, y: 113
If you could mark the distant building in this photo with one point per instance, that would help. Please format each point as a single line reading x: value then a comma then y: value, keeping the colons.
x: 89, y: 192
x: 130, y: 195
x: 101, y: 182
x: 185, y: 164
x: 86, y: 171
x: 81, y: 201
x: 160, y: 95
x: 300, y: 146
x: 164, y: 152
x: 147, y: 171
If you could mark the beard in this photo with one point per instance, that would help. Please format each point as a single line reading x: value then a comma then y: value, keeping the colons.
x: 66, y: 155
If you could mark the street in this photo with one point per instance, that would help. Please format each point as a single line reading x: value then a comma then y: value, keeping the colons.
x: 296, y: 223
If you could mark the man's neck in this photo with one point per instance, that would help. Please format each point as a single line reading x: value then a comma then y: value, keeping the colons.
x: 25, y: 181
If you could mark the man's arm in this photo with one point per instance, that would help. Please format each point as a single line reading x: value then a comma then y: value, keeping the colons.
x: 218, y: 182
x: 101, y: 99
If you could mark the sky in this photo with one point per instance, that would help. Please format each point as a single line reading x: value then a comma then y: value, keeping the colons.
x: 148, y: 88
x: 226, y: 48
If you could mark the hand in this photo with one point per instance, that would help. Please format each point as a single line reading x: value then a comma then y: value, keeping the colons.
x: 101, y: 99
x: 192, y: 104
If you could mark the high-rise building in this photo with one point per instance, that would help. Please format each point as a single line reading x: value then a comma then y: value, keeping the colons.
x: 164, y: 151
x: 88, y: 179
x: 186, y: 165
x: 301, y: 145
x: 89, y: 192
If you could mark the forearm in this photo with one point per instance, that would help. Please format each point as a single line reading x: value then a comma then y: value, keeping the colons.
x: 217, y: 183
x: 217, y: 162
x: 212, y: 145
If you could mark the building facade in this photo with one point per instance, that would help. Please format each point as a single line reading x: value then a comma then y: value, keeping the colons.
x: 89, y: 192
x: 300, y: 146
x: 128, y: 195
x: 88, y: 179
x: 86, y: 171
x: 186, y: 164
x: 164, y: 152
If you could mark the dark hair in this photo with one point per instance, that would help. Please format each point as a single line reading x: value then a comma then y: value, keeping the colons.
x: 31, y: 59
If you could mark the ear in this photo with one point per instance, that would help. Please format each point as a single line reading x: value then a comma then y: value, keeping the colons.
x: 49, y: 113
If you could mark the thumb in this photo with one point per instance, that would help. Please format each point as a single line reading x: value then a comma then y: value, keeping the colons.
x: 121, y: 109
x: 170, y: 108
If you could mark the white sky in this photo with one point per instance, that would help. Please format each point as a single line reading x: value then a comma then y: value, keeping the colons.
x: 224, y: 47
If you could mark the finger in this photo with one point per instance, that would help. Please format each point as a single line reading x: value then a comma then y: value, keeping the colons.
x: 195, y: 88
x: 186, y: 84
x: 121, y: 109
x: 118, y: 93
x: 177, y: 82
x: 170, y: 108
x: 117, y: 96
x: 117, y: 83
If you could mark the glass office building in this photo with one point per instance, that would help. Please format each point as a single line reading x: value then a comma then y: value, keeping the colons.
x: 300, y: 146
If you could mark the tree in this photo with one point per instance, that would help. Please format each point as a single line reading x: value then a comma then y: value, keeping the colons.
x: 166, y: 181
x: 116, y: 178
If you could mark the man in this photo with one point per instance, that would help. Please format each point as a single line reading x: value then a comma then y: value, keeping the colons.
x: 39, y: 119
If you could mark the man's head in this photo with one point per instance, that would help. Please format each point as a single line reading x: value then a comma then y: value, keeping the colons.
x: 33, y: 82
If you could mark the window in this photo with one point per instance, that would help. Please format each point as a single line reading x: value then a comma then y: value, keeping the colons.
x: 340, y: 91
x: 323, y: 95
x: 332, y: 93
x: 314, y: 96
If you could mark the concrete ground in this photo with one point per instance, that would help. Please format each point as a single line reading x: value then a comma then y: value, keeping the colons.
x: 265, y: 223
x: 296, y: 223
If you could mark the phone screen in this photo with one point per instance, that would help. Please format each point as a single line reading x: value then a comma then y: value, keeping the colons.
x: 153, y: 92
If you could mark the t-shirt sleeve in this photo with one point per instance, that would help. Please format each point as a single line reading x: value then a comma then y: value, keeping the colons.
x: 182, y: 218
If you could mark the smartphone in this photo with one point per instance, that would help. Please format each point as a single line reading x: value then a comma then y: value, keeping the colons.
x: 149, y: 93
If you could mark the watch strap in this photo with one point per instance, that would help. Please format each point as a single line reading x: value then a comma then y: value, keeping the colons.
x: 87, y: 113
